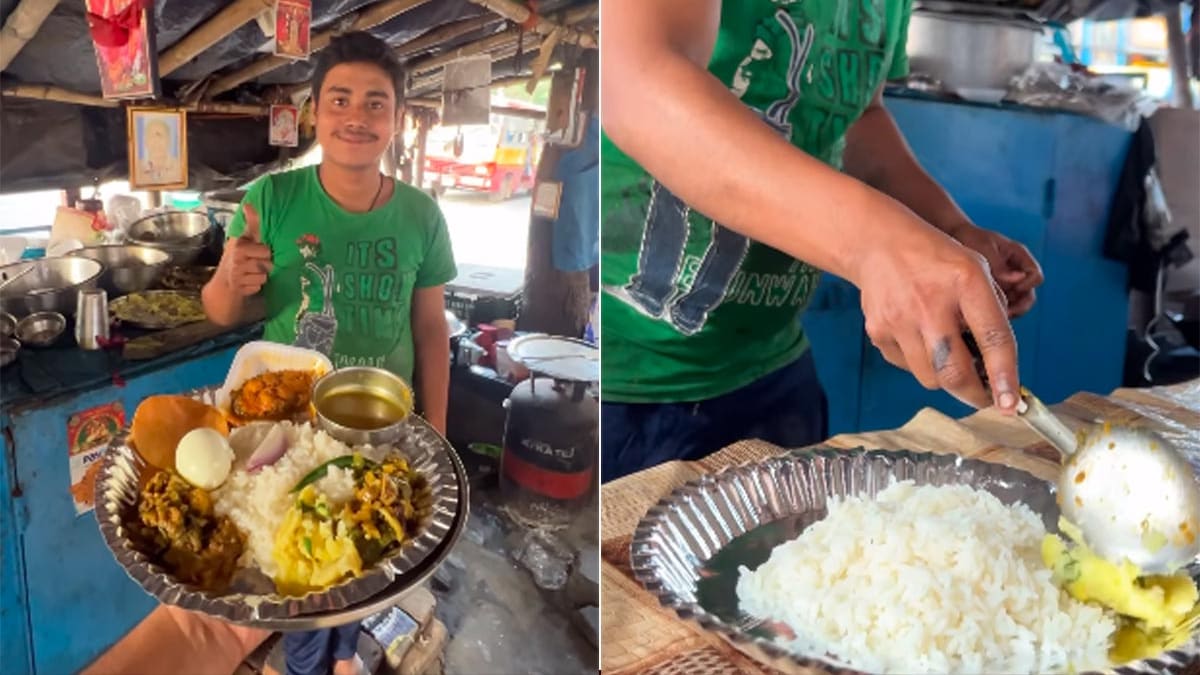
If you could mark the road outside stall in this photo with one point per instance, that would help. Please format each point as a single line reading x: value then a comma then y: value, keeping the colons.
x: 487, y: 232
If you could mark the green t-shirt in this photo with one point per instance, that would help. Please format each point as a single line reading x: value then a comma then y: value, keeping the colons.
x: 343, y: 282
x: 692, y: 310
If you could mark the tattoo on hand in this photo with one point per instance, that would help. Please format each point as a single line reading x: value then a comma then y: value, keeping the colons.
x: 941, y: 355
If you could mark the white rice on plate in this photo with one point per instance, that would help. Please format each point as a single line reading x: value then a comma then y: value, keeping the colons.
x: 927, y: 579
x: 258, y: 502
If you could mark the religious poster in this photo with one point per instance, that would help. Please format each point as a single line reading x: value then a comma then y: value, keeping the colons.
x: 88, y: 435
x: 285, y: 126
x: 293, y: 23
x: 157, y: 149
x: 123, y: 36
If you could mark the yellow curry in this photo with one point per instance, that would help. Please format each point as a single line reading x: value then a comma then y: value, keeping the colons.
x: 1155, y: 611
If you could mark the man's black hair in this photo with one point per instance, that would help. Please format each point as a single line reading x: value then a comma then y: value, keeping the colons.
x: 358, y: 47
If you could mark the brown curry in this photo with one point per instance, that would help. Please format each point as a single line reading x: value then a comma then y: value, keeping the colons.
x: 185, y: 534
x: 276, y: 395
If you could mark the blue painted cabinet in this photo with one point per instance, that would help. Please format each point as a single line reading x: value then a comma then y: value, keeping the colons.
x: 64, y: 599
x: 1046, y: 179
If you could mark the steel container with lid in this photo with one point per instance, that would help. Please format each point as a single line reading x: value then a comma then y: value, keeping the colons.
x: 552, y: 430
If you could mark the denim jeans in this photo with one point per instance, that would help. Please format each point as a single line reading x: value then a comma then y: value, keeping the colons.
x: 314, y: 652
x: 786, y: 407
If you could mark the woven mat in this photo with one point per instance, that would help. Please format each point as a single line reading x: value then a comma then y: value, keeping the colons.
x: 642, y: 637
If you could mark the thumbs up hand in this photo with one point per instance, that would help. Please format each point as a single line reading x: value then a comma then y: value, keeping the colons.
x: 246, y: 261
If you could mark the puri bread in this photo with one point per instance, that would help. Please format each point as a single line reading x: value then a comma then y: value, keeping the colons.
x: 161, y: 421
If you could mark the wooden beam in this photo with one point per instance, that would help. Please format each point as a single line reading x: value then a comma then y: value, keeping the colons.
x: 22, y: 24
x: 520, y: 14
x: 423, y: 124
x: 419, y: 44
x: 443, y: 34
x: 232, y: 17
x: 48, y: 92
x: 1177, y: 58
x: 435, y: 103
x: 371, y: 16
x: 475, y: 48
x: 431, y: 80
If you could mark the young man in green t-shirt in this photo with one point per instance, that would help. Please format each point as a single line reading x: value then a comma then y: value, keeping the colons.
x: 350, y: 262
x: 746, y: 148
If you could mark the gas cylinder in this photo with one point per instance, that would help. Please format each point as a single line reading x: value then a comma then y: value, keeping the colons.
x: 551, y: 442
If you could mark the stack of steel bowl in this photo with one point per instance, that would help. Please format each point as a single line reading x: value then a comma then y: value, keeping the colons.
x: 128, y: 268
x: 182, y: 234
x: 46, y: 284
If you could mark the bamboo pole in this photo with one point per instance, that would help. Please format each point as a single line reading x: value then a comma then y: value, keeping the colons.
x: 22, y: 24
x: 419, y: 154
x: 518, y: 13
x: 483, y: 46
x: 423, y: 85
x: 443, y: 34
x: 1177, y: 57
x: 419, y: 44
x: 371, y: 16
x: 232, y: 17
x: 48, y: 92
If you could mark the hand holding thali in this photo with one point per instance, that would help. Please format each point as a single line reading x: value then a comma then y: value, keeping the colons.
x: 273, y: 522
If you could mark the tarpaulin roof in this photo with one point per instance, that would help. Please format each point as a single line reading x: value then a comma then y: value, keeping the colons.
x: 44, y: 144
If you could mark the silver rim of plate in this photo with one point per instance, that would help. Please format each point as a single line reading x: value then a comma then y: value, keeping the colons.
x: 252, y: 599
x: 686, y: 547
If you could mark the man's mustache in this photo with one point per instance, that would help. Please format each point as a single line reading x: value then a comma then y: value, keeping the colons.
x: 356, y: 135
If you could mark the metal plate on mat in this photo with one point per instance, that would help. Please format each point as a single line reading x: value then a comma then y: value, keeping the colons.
x: 252, y: 599
x: 687, y: 548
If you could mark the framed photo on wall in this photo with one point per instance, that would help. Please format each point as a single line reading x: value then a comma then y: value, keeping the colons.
x: 285, y: 126
x: 157, y: 148
x: 293, y: 28
x: 123, y: 36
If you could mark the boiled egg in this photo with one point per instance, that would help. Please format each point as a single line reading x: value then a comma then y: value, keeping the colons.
x: 204, y: 458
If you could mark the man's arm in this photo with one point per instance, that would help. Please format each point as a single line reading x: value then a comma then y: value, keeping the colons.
x: 877, y: 154
x: 172, y: 640
x: 664, y: 109
x: 431, y: 342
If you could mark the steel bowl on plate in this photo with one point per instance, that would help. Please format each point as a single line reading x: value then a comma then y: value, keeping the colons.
x: 252, y: 599
x: 183, y: 234
x: 51, y: 285
x: 688, y: 548
x: 9, y: 348
x: 128, y: 268
x: 8, y: 324
x: 41, y: 329
x: 363, y: 405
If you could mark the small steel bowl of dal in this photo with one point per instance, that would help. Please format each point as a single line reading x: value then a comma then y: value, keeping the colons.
x: 362, y: 405
x: 41, y: 329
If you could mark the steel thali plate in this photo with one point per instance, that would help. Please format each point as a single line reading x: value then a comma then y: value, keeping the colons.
x: 687, y: 549
x: 251, y: 600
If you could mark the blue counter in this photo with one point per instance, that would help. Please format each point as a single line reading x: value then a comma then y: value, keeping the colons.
x: 63, y: 598
x: 1044, y: 178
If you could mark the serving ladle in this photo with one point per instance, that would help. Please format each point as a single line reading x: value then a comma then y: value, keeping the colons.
x: 1132, y: 494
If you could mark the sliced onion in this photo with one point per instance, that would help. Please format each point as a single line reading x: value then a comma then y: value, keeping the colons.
x: 272, y: 447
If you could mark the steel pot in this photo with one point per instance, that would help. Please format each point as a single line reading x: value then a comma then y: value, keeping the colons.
x: 971, y: 51
x: 49, y: 285
x: 183, y: 234
x: 128, y: 268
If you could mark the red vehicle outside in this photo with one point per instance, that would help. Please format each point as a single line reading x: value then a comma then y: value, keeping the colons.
x: 499, y: 158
